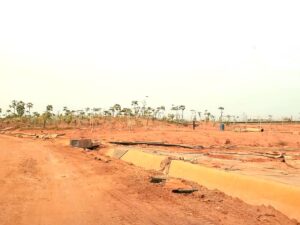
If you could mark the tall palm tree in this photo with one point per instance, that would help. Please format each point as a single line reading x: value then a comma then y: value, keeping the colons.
x: 208, y: 116
x: 117, y: 108
x: 160, y: 111
x: 193, y: 115
x: 14, y: 105
x: 136, y: 107
x: 221, y: 115
x: 175, y: 109
x: 29, y: 106
x: 199, y: 114
x: 182, y: 108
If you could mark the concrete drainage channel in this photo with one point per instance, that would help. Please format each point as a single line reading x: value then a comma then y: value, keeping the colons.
x: 252, y: 190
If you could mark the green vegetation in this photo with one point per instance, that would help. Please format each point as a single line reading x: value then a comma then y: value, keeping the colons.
x: 20, y: 114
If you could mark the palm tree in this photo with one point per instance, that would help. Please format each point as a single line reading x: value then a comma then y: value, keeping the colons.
x: 205, y: 114
x: 14, y: 105
x: 161, y: 111
x: 144, y: 103
x: 228, y: 118
x: 136, y: 107
x: 208, y: 116
x: 221, y: 115
x: 182, y: 108
x: 199, y: 114
x: 29, y: 106
x: 175, y: 108
x: 193, y: 115
x: 49, y: 108
x: 87, y: 109
x: 117, y: 108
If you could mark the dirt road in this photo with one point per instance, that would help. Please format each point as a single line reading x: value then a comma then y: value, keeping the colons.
x: 46, y: 183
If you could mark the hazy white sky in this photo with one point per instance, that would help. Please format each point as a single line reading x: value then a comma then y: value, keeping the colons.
x: 243, y: 55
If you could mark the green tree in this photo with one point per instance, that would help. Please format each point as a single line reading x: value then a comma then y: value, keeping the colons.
x: 20, y: 108
x: 107, y: 113
x: 126, y: 112
x: 49, y: 108
x: 36, y: 114
x: 8, y: 112
x: 47, y: 114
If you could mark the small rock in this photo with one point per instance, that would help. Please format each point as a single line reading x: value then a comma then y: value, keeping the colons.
x: 227, y: 142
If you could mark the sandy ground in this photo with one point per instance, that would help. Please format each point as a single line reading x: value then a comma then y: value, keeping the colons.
x: 45, y: 182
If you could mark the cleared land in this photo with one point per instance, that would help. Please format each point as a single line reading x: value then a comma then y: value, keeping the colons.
x: 47, y: 182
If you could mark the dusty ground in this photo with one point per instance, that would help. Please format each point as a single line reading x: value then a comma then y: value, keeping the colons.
x: 45, y: 182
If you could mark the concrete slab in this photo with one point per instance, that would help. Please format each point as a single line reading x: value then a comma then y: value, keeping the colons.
x: 145, y: 160
x: 257, y: 191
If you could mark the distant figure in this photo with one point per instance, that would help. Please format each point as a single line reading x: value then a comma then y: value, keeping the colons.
x: 194, y: 124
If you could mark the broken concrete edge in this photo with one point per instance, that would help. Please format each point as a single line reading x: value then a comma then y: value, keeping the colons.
x: 151, y: 143
x: 256, y: 191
